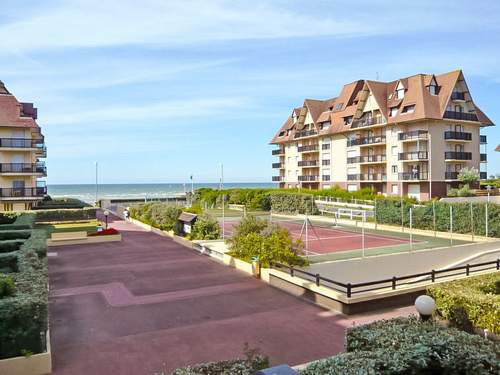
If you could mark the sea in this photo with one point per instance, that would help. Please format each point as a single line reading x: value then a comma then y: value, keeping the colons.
x: 87, y: 192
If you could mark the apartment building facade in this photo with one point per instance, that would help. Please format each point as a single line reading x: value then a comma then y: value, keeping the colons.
x: 22, y: 147
x: 410, y: 136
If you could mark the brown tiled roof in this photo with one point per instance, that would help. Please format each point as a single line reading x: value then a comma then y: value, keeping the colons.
x: 10, y: 111
x: 427, y: 106
x: 498, y: 148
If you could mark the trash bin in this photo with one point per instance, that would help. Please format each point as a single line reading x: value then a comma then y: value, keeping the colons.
x: 256, y: 267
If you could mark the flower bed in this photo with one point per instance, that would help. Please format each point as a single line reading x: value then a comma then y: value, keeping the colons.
x: 105, y: 232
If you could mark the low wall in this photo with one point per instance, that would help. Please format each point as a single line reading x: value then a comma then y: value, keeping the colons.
x: 86, y: 240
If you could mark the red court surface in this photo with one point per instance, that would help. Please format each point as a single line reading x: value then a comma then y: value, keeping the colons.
x: 324, y: 240
x: 147, y: 304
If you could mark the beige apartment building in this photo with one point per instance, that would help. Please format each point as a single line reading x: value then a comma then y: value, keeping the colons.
x: 21, y: 148
x: 410, y: 136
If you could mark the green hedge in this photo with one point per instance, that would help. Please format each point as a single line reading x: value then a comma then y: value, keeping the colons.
x: 7, y: 286
x: 293, y: 203
x: 471, y: 302
x: 8, y: 246
x: 205, y: 228
x: 60, y: 215
x: 388, y: 211
x: 60, y: 203
x: 14, y: 234
x: 157, y: 214
x: 410, y: 346
x: 23, y: 316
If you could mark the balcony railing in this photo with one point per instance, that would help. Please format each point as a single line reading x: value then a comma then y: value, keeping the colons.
x: 483, y: 158
x: 310, y: 177
x: 367, y: 177
x: 415, y: 155
x: 451, y: 175
x: 28, y: 168
x: 456, y: 115
x: 278, y: 151
x: 461, y: 136
x: 483, y: 139
x: 305, y: 133
x: 366, y: 140
x: 325, y: 177
x: 308, y: 163
x: 325, y: 146
x: 458, y: 95
x: 325, y: 162
x: 23, y: 192
x: 277, y: 178
x: 277, y: 165
x: 21, y: 143
x: 456, y: 155
x: 306, y: 148
x: 413, y: 135
x: 367, y: 122
x: 483, y: 175
x: 411, y: 176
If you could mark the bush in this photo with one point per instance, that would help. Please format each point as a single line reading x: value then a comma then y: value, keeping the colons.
x: 7, y: 286
x: 10, y: 245
x: 14, y: 234
x: 255, y: 238
x: 253, y: 362
x: 159, y: 215
x: 293, y: 203
x: 205, y: 228
x: 61, y: 215
x: 410, y: 346
x: 474, y: 301
x: 60, y: 203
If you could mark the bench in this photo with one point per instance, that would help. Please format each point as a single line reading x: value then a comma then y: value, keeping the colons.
x: 68, y: 236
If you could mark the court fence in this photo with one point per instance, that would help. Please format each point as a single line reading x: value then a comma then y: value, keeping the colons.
x: 350, y: 289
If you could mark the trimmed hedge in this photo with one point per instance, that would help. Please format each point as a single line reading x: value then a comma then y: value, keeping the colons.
x: 17, y: 221
x: 471, y: 302
x: 14, y: 234
x: 10, y: 245
x: 23, y: 316
x: 61, y: 215
x: 410, y: 346
x: 293, y: 203
x: 157, y: 214
x: 60, y: 203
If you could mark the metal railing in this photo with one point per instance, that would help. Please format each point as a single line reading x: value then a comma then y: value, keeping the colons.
x: 367, y: 159
x: 392, y: 283
x: 462, y: 136
x: 23, y: 192
x: 309, y: 178
x: 277, y: 165
x: 457, y: 95
x: 457, y: 155
x: 367, y: 177
x: 367, y: 122
x: 21, y: 143
x: 308, y: 163
x: 325, y: 177
x: 451, y: 175
x: 277, y: 178
x: 305, y: 133
x: 413, y: 135
x: 366, y: 140
x: 483, y: 157
x: 23, y: 168
x: 405, y: 176
x: 456, y: 115
x: 483, y: 175
x: 306, y: 148
x: 278, y: 151
x: 325, y: 162
x: 414, y: 155
x: 483, y: 139
x: 325, y: 146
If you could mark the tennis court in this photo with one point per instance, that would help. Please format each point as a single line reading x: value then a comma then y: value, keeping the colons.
x: 324, y: 241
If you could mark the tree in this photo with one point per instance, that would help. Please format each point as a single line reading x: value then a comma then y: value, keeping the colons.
x: 468, y: 176
x: 205, y: 228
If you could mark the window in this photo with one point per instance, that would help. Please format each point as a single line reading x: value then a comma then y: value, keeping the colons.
x: 394, y: 169
x: 393, y: 112
x: 282, y: 133
x: 348, y: 120
x: 433, y: 89
x: 408, y: 109
x: 338, y: 106
x: 324, y: 125
x: 400, y: 91
x: 394, y: 189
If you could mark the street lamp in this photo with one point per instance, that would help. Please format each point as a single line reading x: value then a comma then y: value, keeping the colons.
x: 106, y: 214
x: 425, y: 306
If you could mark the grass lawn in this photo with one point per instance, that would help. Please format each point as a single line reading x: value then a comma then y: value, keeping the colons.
x: 88, y: 226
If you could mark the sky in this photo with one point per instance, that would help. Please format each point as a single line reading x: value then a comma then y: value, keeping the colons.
x: 158, y: 90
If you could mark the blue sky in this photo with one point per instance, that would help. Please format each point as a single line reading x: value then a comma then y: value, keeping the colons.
x: 156, y: 90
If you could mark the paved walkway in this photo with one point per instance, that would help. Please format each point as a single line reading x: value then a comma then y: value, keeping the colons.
x: 148, y: 304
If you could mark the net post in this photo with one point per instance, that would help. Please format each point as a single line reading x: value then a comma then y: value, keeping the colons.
x: 434, y: 217
x: 471, y: 222
x: 486, y: 218
x: 411, y: 229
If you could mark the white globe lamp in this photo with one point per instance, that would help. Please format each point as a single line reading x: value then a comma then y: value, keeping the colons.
x: 425, y: 306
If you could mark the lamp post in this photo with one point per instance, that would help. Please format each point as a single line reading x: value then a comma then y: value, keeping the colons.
x: 96, y: 183
x: 425, y: 306
x: 106, y: 214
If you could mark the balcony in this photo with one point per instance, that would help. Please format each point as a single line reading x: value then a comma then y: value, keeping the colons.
x: 456, y: 155
x: 367, y: 159
x: 458, y: 95
x: 367, y: 177
x: 413, y: 135
x: 278, y: 165
x: 279, y: 151
x: 451, y: 175
x: 414, y: 155
x: 483, y: 158
x: 23, y: 168
x: 30, y: 192
x: 308, y: 163
x: 309, y: 178
x: 483, y: 175
x: 22, y: 143
x: 305, y: 133
x: 455, y: 115
x: 325, y: 162
x: 482, y: 139
x: 325, y: 177
x: 364, y: 122
x: 325, y: 146
x: 278, y: 178
x: 413, y: 176
x: 457, y: 136
x: 366, y: 141
x: 308, y: 148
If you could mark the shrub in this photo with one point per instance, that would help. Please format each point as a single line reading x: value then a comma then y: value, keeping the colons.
x: 474, y: 301
x: 14, y: 234
x: 60, y: 203
x: 70, y: 214
x: 293, y: 203
x: 157, y: 214
x: 7, y: 286
x: 10, y: 245
x: 468, y: 176
x: 205, y: 228
x: 255, y: 238
x: 410, y: 346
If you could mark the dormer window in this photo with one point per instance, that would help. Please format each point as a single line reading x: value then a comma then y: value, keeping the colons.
x: 348, y: 120
x: 400, y: 91
x: 433, y: 87
x: 408, y: 109
x: 338, y: 106
x: 393, y: 111
x: 324, y: 125
x: 282, y: 133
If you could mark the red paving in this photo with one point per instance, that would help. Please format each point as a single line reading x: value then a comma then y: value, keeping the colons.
x: 322, y: 240
x: 148, y: 304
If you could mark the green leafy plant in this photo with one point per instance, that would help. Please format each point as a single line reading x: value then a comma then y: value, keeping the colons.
x: 206, y: 227
x: 468, y: 176
x: 7, y: 286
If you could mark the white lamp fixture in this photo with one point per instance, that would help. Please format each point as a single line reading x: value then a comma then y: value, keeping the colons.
x: 425, y: 306
x: 106, y: 213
